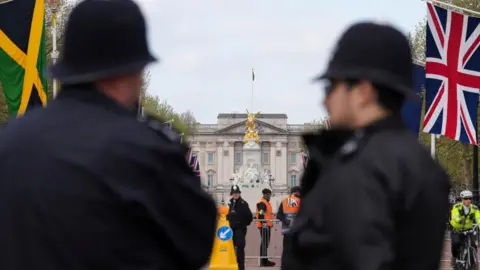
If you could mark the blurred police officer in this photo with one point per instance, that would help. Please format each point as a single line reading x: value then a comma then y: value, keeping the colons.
x: 239, y: 216
x: 265, y: 224
x: 287, y: 211
x: 372, y: 197
x: 84, y: 184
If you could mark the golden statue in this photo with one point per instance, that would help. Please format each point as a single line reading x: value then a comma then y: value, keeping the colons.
x: 250, y: 133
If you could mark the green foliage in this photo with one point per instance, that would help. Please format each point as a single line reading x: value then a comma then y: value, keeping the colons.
x: 3, y: 107
x: 456, y: 157
x: 182, y: 122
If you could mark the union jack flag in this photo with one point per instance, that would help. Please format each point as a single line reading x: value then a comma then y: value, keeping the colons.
x: 453, y: 74
x: 196, y: 167
x: 193, y: 162
x: 189, y: 155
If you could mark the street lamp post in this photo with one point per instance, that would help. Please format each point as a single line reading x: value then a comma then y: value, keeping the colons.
x: 271, y: 179
x: 53, y: 5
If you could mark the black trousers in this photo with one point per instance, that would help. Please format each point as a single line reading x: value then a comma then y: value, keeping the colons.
x: 265, y: 234
x: 239, y: 235
x: 457, y: 241
x: 287, y: 251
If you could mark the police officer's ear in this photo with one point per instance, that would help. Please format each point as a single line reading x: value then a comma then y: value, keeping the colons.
x: 364, y: 93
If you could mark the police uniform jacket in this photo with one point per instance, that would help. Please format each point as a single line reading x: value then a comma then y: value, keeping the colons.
x: 461, y: 221
x: 373, y: 199
x: 239, y: 213
x: 85, y: 185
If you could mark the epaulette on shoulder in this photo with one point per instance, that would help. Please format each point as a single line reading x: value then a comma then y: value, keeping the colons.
x: 161, y: 128
x: 474, y: 207
x: 458, y: 205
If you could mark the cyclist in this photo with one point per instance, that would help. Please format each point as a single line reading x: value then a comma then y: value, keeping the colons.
x: 463, y: 216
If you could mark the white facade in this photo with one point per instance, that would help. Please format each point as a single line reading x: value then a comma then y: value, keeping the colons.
x: 220, y: 148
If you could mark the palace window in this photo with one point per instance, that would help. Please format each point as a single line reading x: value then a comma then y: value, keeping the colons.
x: 238, y: 158
x: 210, y: 180
x: 293, y: 180
x: 265, y: 158
x: 293, y: 158
x: 210, y: 158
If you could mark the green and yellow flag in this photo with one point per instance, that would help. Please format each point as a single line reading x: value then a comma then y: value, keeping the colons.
x: 22, y: 54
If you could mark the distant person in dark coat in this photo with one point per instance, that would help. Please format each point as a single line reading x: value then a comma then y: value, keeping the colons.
x: 239, y: 217
x: 286, y: 213
x: 84, y: 184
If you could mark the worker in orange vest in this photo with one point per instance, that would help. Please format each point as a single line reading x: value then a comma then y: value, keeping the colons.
x: 265, y: 223
x: 287, y: 211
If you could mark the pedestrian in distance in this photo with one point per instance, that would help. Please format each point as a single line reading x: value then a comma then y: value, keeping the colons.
x: 372, y: 196
x: 85, y: 184
x: 265, y: 224
x: 239, y: 216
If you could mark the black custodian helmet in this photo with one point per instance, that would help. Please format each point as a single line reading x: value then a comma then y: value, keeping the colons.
x: 102, y: 39
x: 235, y: 189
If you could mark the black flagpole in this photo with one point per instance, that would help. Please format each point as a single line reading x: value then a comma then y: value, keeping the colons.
x: 475, y: 167
x: 475, y: 171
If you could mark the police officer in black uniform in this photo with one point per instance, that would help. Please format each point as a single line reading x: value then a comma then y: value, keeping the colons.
x: 373, y: 198
x: 239, y: 216
x: 84, y: 184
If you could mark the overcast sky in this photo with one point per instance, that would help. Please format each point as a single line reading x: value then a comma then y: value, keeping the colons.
x: 209, y: 47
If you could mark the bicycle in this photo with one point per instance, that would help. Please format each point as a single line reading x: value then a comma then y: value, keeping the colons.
x: 468, y: 253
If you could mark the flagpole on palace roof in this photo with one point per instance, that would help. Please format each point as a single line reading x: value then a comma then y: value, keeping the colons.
x: 253, y: 80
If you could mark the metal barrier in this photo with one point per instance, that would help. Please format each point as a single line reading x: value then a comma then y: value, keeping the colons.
x: 264, y: 243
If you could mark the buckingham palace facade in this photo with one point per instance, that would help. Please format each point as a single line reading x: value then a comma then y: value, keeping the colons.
x: 219, y: 148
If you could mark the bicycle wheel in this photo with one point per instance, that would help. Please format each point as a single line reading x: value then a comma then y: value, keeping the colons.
x: 462, y: 262
x: 472, y: 261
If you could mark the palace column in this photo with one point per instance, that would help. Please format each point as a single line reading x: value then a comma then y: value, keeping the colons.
x: 283, y: 166
x: 202, y: 152
x: 228, y: 161
x: 278, y: 163
x: 220, y: 166
x: 273, y: 159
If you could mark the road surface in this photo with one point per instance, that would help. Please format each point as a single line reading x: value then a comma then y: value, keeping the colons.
x: 275, y: 249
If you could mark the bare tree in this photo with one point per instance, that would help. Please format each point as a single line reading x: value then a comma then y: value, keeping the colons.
x: 189, y: 119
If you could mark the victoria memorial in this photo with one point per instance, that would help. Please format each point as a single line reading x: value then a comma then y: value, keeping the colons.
x: 222, y: 150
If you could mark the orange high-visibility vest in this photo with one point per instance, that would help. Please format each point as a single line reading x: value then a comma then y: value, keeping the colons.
x: 290, y: 207
x: 268, y: 215
x: 291, y: 204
